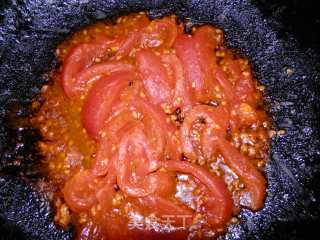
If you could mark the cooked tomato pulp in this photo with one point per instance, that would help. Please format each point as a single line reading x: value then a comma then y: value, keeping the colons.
x: 149, y: 132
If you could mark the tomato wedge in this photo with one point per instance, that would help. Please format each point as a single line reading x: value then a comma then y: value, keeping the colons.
x: 183, y: 94
x: 160, y: 133
x: 154, y: 112
x: 100, y: 99
x: 187, y: 53
x: 131, y: 41
x: 93, y: 73
x: 255, y: 183
x: 164, y: 186
x: 154, y: 77
x: 134, y: 147
x: 205, y: 41
x: 219, y: 206
x: 109, y: 141
x: 79, y: 58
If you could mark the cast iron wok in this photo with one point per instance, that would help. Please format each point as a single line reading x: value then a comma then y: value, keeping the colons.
x: 30, y: 31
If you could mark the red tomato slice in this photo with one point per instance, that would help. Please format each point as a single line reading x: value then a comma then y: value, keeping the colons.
x: 120, y: 117
x: 154, y: 112
x: 133, y: 147
x: 80, y: 191
x: 108, y: 144
x: 183, y: 94
x: 100, y: 99
x: 154, y: 77
x: 187, y: 53
x: 159, y: 132
x: 219, y: 206
x: 105, y: 159
x: 255, y: 183
x: 216, y: 120
x: 131, y: 41
x: 160, y: 32
x: 152, y: 118
x: 93, y: 73
x: 79, y: 58
x: 205, y: 40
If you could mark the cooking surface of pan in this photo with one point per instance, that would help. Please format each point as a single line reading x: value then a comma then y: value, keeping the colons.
x: 29, y: 33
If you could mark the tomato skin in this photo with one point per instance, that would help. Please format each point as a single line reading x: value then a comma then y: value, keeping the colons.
x: 154, y: 76
x: 79, y: 58
x: 215, y: 138
x: 219, y: 197
x: 100, y: 99
x: 79, y: 192
x: 255, y: 183
x: 94, y: 73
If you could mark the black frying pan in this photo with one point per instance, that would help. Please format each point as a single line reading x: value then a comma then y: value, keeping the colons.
x: 29, y: 33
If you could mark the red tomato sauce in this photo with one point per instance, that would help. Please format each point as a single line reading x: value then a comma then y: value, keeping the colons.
x: 152, y: 133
